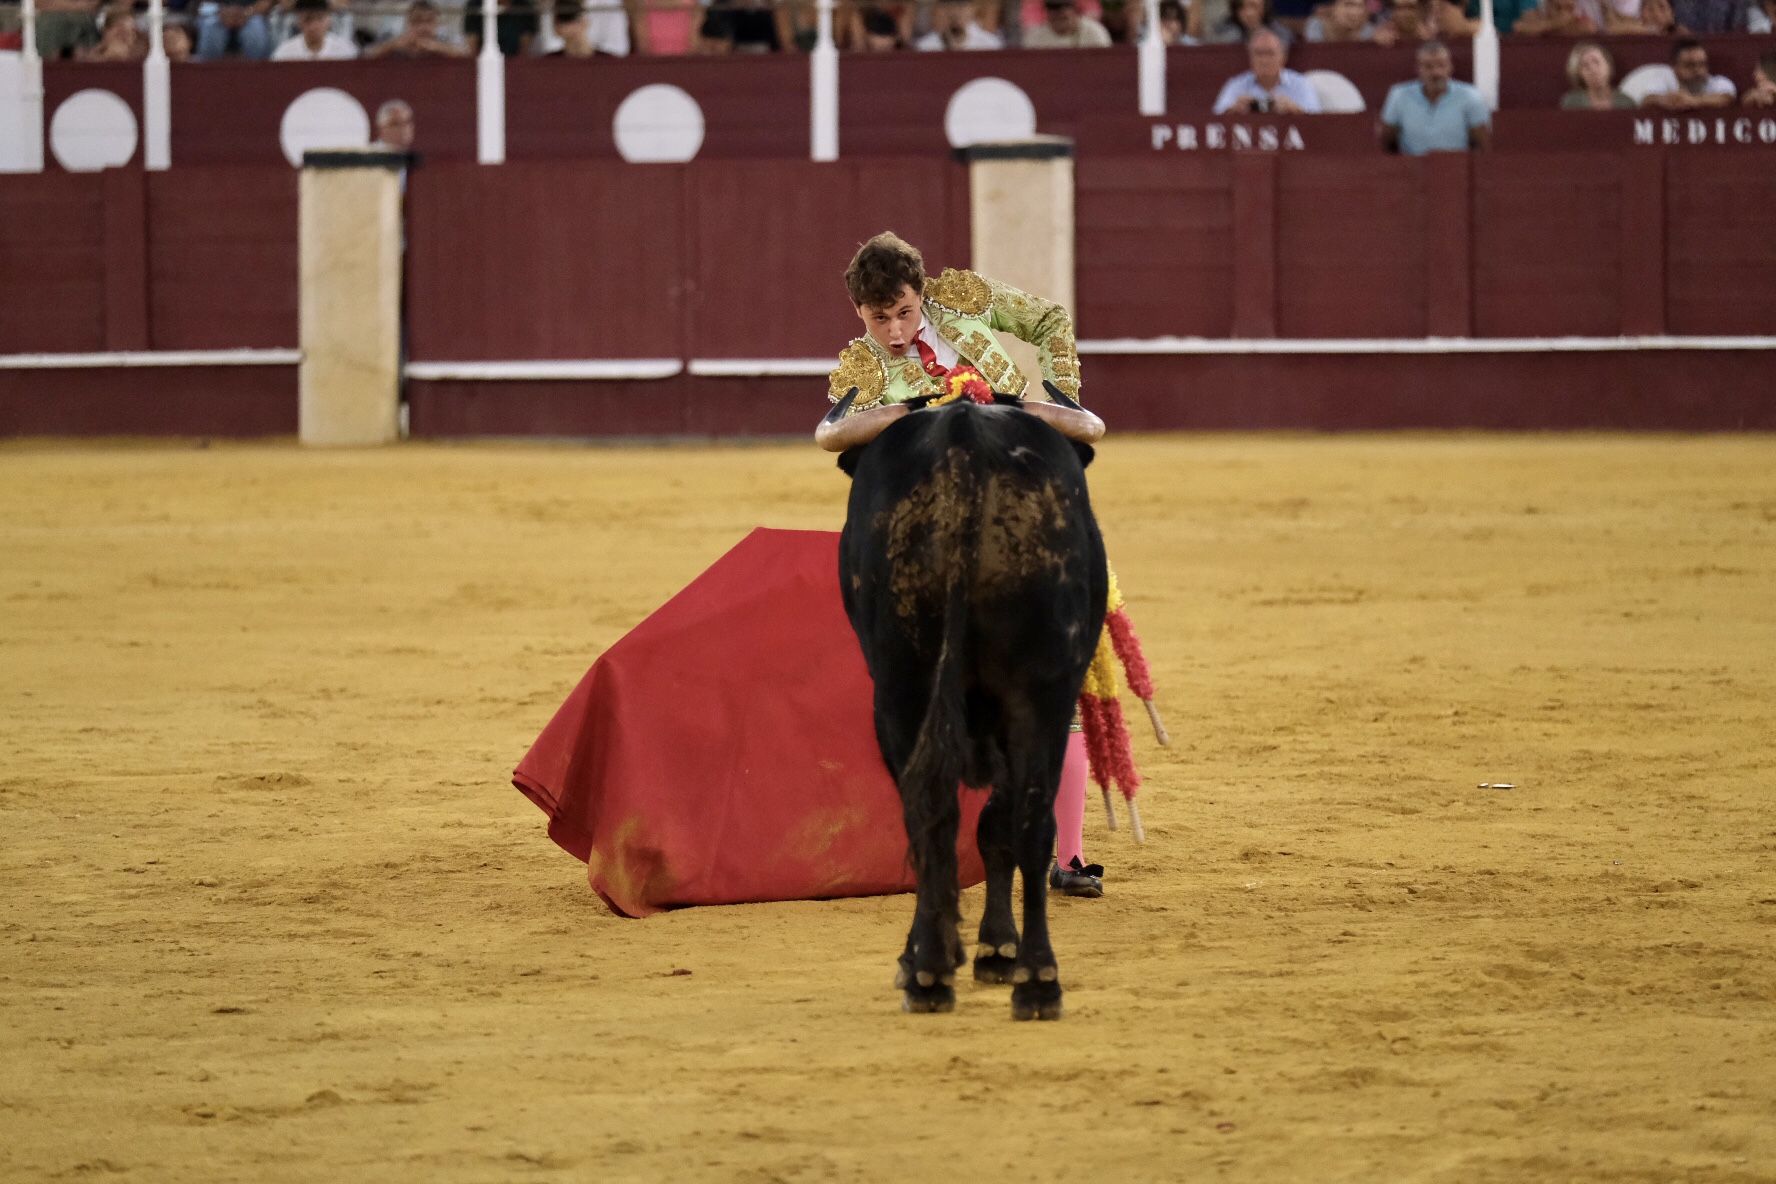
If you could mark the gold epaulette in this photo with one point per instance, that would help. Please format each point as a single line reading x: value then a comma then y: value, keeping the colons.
x: 960, y: 291
x: 858, y: 367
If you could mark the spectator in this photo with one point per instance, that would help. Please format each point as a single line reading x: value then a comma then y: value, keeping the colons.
x: 739, y: 26
x: 233, y: 29
x: 283, y: 23
x: 514, y: 26
x: 1406, y: 21
x: 1066, y: 28
x: 1174, y: 23
x: 421, y: 37
x: 1762, y: 91
x: 65, y: 27
x: 1268, y: 87
x: 1694, y: 86
x: 1434, y: 114
x: 1506, y: 13
x: 1556, y: 18
x: 1760, y: 17
x: 315, y: 40
x: 1710, y: 16
x: 120, y: 38
x: 1612, y: 16
x: 1591, y: 74
x: 175, y: 40
x: 865, y: 25
x: 1342, y: 20
x: 881, y: 33
x: 954, y: 27
x: 1656, y: 18
x: 587, y: 32
x: 1246, y: 17
x: 394, y: 127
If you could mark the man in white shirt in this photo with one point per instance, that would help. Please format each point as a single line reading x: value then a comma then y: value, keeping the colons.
x: 315, y: 40
x: 1267, y: 88
x: 953, y: 27
x: 1695, y: 87
x: 1067, y: 28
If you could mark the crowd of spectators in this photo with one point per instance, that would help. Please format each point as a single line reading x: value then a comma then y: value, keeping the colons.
x: 306, y: 30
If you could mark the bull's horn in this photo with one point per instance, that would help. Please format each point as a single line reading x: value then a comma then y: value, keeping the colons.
x: 841, y: 407
x: 1059, y: 396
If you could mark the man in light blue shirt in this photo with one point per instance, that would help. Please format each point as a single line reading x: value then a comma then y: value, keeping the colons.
x: 1434, y: 114
x: 1267, y: 88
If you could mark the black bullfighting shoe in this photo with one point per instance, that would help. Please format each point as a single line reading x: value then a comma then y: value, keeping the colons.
x: 1077, y: 879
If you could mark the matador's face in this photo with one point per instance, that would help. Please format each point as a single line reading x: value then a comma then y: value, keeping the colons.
x: 893, y: 325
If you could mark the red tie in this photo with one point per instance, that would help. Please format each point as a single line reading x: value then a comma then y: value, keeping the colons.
x: 928, y: 358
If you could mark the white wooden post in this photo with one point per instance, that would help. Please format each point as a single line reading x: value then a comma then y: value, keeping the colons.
x: 157, y: 94
x: 1486, y: 57
x: 490, y: 90
x: 1152, y: 63
x: 823, y: 90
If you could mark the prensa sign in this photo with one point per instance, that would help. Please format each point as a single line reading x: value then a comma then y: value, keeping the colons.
x: 1211, y: 137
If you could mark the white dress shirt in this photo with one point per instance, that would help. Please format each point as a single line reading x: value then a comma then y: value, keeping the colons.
x: 947, y: 357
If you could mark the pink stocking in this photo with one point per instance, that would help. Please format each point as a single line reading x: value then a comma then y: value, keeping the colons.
x: 1070, y: 803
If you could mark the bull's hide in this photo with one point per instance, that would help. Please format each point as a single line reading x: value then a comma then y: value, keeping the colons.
x: 723, y: 750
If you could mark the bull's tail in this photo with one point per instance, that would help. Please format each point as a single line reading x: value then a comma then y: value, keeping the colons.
x: 939, y: 759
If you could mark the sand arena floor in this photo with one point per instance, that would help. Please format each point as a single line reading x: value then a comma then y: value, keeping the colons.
x: 274, y: 913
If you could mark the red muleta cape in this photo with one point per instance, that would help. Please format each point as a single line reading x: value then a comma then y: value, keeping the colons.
x: 724, y: 750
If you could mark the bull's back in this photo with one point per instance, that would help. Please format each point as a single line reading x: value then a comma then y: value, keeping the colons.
x: 981, y: 502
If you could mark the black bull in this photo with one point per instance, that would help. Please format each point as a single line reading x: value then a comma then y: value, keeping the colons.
x: 973, y: 572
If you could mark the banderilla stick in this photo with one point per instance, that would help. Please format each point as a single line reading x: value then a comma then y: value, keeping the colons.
x: 1109, y: 810
x: 1159, y: 729
x: 1135, y: 822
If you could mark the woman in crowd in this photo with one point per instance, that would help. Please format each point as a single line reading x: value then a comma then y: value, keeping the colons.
x: 1246, y: 17
x: 1591, y: 74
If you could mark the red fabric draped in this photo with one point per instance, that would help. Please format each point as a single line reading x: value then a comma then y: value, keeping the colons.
x: 724, y: 750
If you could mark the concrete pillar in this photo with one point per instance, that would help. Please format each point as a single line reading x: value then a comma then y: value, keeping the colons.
x: 350, y: 303
x: 1020, y: 204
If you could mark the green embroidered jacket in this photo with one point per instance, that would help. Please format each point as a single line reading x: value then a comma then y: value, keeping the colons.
x: 964, y: 308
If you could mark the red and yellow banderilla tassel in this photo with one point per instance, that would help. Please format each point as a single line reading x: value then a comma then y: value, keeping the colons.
x: 1107, y: 745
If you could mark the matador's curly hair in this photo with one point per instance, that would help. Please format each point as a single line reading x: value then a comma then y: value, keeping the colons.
x: 881, y: 268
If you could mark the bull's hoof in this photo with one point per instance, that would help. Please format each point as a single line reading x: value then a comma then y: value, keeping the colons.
x: 1039, y: 1000
x: 920, y: 1000
x: 993, y: 968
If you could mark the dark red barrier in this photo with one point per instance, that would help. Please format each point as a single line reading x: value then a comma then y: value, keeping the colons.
x: 149, y: 401
x: 222, y: 258
x: 231, y: 112
x: 682, y: 406
x: 63, y: 80
x: 1493, y: 245
x: 721, y: 259
x: 1720, y: 253
x: 126, y: 260
x: 53, y: 263
x: 1628, y: 390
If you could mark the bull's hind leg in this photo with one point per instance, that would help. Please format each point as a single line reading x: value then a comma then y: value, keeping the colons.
x: 996, y: 955
x: 934, y: 945
x: 1036, y: 981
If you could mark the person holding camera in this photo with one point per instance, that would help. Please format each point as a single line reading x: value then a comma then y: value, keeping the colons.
x: 1269, y: 87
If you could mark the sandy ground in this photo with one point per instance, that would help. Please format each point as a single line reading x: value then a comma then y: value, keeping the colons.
x: 273, y: 911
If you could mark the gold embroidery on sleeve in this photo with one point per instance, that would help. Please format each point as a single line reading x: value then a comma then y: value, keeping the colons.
x: 858, y: 367
x: 960, y: 291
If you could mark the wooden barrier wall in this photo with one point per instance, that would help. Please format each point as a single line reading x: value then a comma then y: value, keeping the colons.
x: 200, y: 258
x: 721, y: 259
x: 743, y: 260
x: 1544, y: 245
